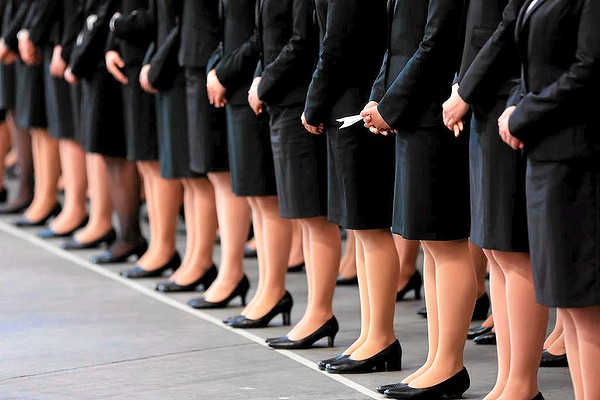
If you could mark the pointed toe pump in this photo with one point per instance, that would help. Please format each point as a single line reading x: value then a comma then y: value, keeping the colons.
x: 205, y: 281
x: 27, y: 223
x: 328, y: 330
x: 283, y: 307
x: 388, y: 359
x: 451, y: 388
x: 414, y: 284
x: 240, y: 290
x: 138, y: 272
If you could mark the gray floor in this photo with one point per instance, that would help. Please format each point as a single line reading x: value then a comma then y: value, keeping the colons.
x: 68, y: 331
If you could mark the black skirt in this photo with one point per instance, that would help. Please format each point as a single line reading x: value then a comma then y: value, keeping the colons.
x: 140, y: 119
x: 7, y: 87
x: 250, y: 154
x: 59, y: 107
x: 30, y: 104
x: 300, y: 165
x: 431, y: 201
x: 173, y: 145
x: 563, y: 203
x: 207, y: 133
x: 102, y: 126
x: 498, y: 204
x: 361, y: 178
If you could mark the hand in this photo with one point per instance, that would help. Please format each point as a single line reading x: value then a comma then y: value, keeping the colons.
x: 505, y: 134
x: 58, y: 66
x: 114, y: 63
x: 374, y: 121
x: 145, y: 82
x: 315, y: 130
x: 454, y: 109
x: 216, y: 91
x: 30, y: 54
x: 255, y: 103
x: 70, y: 77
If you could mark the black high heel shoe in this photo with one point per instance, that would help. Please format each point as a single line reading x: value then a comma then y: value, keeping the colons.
x: 538, y: 397
x: 108, y: 239
x: 381, y: 389
x: 49, y: 233
x: 487, y: 338
x: 294, y: 269
x: 283, y: 307
x: 138, y: 272
x: 110, y: 258
x: 414, y: 283
x: 550, y: 360
x: 240, y: 290
x: 322, y: 364
x: 451, y: 388
x: 27, y: 223
x: 3, y: 195
x: 482, y: 307
x: 478, y: 331
x: 328, y: 330
x: 341, y: 281
x: 205, y: 280
x: 231, y: 319
x: 388, y: 359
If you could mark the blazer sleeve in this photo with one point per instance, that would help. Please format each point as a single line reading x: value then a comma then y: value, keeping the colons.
x: 215, y: 58
x: 378, y: 90
x: 282, y: 69
x: 72, y: 27
x: 237, y: 67
x: 494, y: 63
x: 41, y: 21
x: 568, y: 97
x: 441, y: 32
x: 329, y: 77
x: 15, y: 25
x: 137, y: 26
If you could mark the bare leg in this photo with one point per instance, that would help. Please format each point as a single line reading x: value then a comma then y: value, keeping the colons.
x: 556, y: 333
x: 72, y: 159
x: 456, y: 287
x: 322, y: 262
x: 381, y: 261
x: 408, y: 251
x: 348, y: 263
x: 233, y: 213
x: 201, y: 226
x: 296, y: 252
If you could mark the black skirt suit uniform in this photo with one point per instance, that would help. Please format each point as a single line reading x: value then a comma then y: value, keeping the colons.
x: 361, y: 165
x: 102, y: 126
x: 207, y: 134
x: 138, y: 106
x: 234, y: 62
x: 288, y: 43
x: 498, y: 205
x: 30, y: 107
x: 556, y: 119
x: 7, y: 72
x: 431, y: 200
x: 46, y: 24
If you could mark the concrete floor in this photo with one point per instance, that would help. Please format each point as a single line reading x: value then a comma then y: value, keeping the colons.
x: 72, y: 330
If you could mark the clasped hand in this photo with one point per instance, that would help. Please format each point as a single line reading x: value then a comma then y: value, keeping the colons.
x: 374, y: 121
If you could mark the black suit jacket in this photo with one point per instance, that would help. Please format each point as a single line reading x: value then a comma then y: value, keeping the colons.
x: 200, y: 26
x: 496, y: 69
x: 422, y: 59
x: 288, y: 42
x: 133, y: 47
x: 236, y: 57
x: 42, y: 22
x: 343, y: 78
x: 14, y: 18
x: 557, y: 107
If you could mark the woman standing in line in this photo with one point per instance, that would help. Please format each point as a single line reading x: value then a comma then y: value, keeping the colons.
x: 356, y: 201
x: 498, y: 213
x: 432, y: 180
x: 552, y: 118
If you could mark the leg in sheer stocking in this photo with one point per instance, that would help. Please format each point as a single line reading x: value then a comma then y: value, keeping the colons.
x: 47, y: 170
x: 348, y: 262
x: 296, y: 252
x: 408, y: 251
x: 24, y: 147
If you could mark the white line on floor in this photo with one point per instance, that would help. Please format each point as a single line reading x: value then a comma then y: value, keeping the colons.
x: 176, y: 304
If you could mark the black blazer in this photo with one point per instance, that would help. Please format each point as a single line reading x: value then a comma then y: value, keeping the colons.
x: 14, y: 18
x: 236, y: 57
x: 557, y: 107
x: 200, y: 26
x: 343, y: 78
x: 72, y: 21
x: 87, y: 56
x: 496, y: 69
x: 133, y: 47
x: 288, y: 42
x: 422, y: 59
x: 42, y: 22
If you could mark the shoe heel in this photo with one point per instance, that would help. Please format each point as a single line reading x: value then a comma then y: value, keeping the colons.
x: 417, y: 293
x: 330, y: 341
x: 243, y: 298
x: 287, y: 318
x: 395, y: 365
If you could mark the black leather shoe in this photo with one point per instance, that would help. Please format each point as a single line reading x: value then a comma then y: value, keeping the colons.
x: 328, y: 330
x: 487, y: 338
x: 205, y: 280
x: 240, y: 290
x: 26, y: 223
x: 294, y: 269
x: 451, y: 388
x: 109, y: 258
x: 422, y: 312
x: 322, y: 364
x: 478, y: 331
x: 549, y: 360
x: 283, y: 307
x: 49, y: 233
x: 381, y: 389
x: 107, y: 239
x: 231, y: 319
x: 388, y: 359
x: 250, y: 252
x: 3, y: 195
x: 138, y: 272
x: 482, y: 307
x: 340, y: 281
x: 414, y: 283
x: 538, y: 397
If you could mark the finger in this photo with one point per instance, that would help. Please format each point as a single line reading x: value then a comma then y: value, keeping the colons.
x: 120, y: 62
x: 456, y: 130
x: 461, y: 125
x: 373, y: 129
